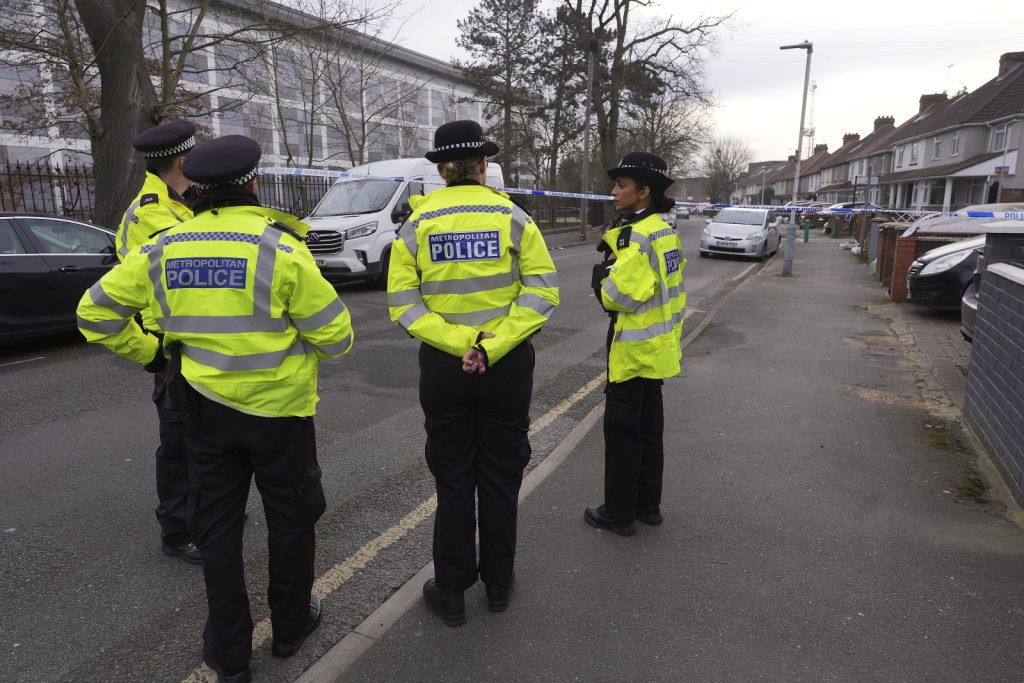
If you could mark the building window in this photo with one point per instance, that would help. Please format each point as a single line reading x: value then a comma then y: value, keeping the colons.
x: 899, y: 156
x: 914, y: 151
x: 999, y: 138
x: 936, y: 147
x: 936, y: 192
x: 955, y: 146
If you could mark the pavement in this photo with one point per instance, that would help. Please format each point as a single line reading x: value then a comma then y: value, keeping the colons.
x: 826, y: 518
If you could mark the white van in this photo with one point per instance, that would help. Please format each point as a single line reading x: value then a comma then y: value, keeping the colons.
x: 353, y: 226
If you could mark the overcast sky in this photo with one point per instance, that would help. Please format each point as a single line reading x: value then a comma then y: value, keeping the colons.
x: 871, y: 58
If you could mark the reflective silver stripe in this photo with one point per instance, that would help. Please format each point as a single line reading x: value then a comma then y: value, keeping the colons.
x: 325, y: 315
x: 641, y: 240
x: 222, y: 324
x: 412, y: 315
x: 255, y: 361
x: 678, y: 317
x: 100, y: 297
x: 266, y: 261
x: 649, y: 332
x: 404, y: 297
x: 519, y: 219
x: 618, y: 297
x: 129, y: 217
x: 537, y: 303
x: 470, y: 285
x: 103, y: 326
x: 156, y: 272
x: 541, y: 280
x: 476, y: 317
x: 336, y: 349
x: 661, y: 233
x: 408, y: 235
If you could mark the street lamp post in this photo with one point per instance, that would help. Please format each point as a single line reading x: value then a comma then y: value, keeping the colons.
x: 763, y: 169
x: 787, y: 254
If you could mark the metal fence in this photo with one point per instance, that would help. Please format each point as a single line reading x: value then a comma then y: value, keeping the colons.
x: 45, y: 188
x: 297, y: 195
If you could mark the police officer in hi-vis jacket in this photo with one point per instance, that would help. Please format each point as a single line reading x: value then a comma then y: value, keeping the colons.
x: 472, y: 279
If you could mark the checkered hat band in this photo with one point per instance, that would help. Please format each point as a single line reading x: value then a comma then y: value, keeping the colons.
x: 459, y: 145
x: 172, y: 151
x: 237, y: 181
x: 646, y: 168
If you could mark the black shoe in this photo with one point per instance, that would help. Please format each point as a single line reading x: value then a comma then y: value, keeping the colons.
x: 451, y: 607
x: 315, y: 615
x: 188, y: 552
x: 650, y: 516
x: 240, y: 677
x: 598, y: 517
x: 497, y: 596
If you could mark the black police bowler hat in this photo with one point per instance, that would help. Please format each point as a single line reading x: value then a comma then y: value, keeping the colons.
x: 460, y: 140
x: 643, y: 166
x: 166, y: 140
x: 228, y: 160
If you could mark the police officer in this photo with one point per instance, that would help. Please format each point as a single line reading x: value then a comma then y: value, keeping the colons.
x: 157, y: 206
x: 640, y: 285
x: 246, y: 317
x: 472, y: 279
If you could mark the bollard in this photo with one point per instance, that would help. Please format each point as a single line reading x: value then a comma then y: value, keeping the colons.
x: 806, y: 225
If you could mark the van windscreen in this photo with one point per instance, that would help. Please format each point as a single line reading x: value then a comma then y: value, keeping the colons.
x: 356, y: 196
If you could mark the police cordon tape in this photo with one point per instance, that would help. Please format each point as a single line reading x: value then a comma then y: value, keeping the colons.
x: 322, y: 173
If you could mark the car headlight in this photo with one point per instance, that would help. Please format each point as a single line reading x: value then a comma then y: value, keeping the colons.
x: 755, y: 236
x: 941, y: 265
x: 361, y: 230
x: 706, y: 232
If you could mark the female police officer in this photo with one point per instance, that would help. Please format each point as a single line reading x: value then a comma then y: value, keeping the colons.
x: 640, y: 285
x: 472, y: 279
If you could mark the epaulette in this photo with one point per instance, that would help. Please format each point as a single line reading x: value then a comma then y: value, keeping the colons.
x: 284, y: 228
x: 623, y: 239
x: 149, y: 198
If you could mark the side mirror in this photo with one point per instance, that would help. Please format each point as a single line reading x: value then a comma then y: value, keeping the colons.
x: 400, y: 213
x: 109, y: 255
x: 708, y: 221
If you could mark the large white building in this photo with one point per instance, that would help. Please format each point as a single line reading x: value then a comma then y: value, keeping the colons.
x: 324, y: 99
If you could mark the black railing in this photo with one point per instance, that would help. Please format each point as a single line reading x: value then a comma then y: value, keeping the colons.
x: 45, y: 188
x: 297, y: 195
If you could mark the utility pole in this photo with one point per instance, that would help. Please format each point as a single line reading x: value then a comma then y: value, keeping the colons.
x: 763, y: 169
x: 591, y: 51
x: 787, y: 254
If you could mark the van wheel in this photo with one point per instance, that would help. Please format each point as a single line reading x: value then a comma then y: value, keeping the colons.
x: 381, y: 280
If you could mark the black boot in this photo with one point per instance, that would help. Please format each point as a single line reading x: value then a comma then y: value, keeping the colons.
x: 451, y: 607
x: 597, y: 516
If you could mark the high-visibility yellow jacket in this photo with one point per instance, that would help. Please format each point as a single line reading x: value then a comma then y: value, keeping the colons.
x: 645, y: 288
x: 468, y: 261
x: 152, y: 210
x: 240, y: 291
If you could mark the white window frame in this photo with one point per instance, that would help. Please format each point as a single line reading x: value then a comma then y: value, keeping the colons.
x: 899, y: 155
x: 955, y: 145
x: 936, y: 147
x: 997, y: 132
x: 915, y: 154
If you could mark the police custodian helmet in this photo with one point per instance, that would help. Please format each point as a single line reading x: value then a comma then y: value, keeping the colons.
x: 166, y: 140
x: 460, y: 140
x: 228, y: 160
x: 644, y: 166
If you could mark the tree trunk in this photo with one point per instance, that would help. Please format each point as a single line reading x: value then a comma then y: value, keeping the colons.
x: 127, y: 101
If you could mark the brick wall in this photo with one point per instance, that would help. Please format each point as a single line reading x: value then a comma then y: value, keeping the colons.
x: 904, y: 255
x: 994, y: 402
x: 1012, y: 194
x: 886, y: 251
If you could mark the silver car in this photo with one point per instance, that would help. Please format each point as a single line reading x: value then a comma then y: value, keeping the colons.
x: 741, y: 232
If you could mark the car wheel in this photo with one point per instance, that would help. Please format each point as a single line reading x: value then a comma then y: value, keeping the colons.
x: 703, y: 254
x: 764, y: 252
x: 381, y: 280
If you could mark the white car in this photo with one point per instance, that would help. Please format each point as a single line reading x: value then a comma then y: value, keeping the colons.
x: 682, y: 211
x: 741, y: 232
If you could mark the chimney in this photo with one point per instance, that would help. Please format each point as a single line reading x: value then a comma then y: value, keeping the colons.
x: 850, y: 137
x: 821, y: 148
x: 883, y: 121
x: 1008, y: 60
x: 928, y: 100
x: 792, y: 158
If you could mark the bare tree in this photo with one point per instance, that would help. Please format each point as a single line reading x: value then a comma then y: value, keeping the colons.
x: 725, y: 161
x: 666, y: 122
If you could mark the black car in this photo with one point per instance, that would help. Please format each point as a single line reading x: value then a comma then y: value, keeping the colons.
x: 938, y: 278
x: 46, y: 263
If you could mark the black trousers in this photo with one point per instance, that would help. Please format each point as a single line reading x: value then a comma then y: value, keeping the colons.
x: 171, y: 470
x: 634, y: 456
x: 225, y: 449
x: 477, y: 448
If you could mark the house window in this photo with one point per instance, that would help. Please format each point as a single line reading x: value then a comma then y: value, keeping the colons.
x: 914, y: 150
x: 936, y: 147
x: 955, y: 146
x: 999, y: 138
x: 899, y: 156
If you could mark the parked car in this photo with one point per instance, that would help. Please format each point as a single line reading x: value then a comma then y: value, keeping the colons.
x: 969, y: 301
x: 938, y: 278
x: 741, y: 232
x: 682, y: 211
x: 46, y: 263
